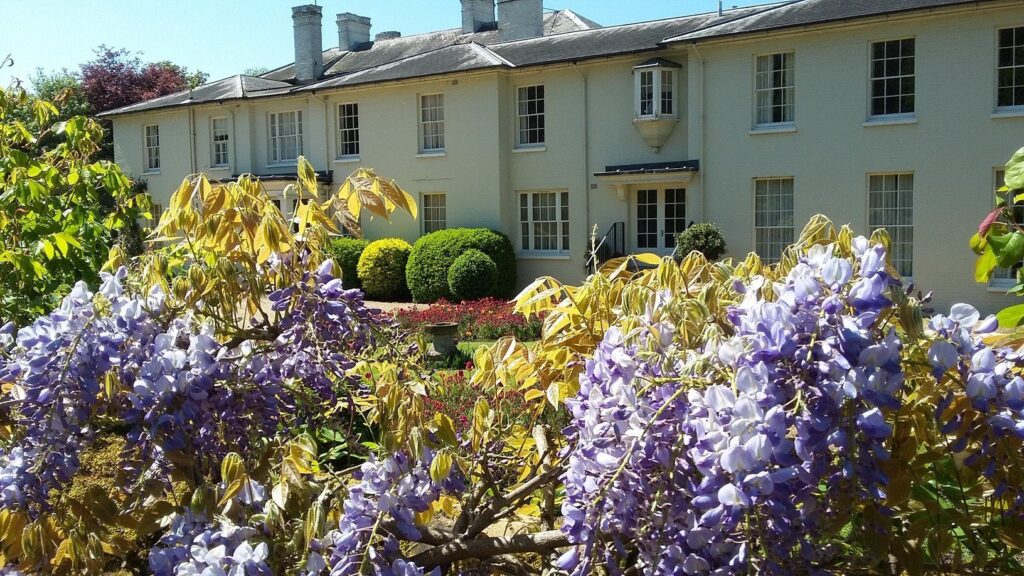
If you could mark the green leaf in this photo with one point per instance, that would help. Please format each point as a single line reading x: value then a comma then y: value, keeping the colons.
x: 1011, y: 317
x: 1014, y: 176
x: 232, y: 468
x: 46, y: 247
x: 441, y: 467
x: 984, y: 265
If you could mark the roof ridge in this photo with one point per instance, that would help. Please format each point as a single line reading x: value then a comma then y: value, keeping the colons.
x: 491, y: 55
x: 767, y: 8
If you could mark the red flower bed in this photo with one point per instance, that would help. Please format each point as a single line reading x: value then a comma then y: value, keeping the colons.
x: 487, y: 319
x: 455, y: 397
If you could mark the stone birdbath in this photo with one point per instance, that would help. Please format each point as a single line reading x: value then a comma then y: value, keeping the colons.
x: 443, y: 336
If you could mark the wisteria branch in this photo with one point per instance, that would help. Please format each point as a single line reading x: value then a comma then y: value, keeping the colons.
x: 483, y: 548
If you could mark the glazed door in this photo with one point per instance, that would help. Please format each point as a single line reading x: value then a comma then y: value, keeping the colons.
x: 660, y: 215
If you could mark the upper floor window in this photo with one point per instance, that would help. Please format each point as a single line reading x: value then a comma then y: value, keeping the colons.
x: 348, y: 131
x: 530, y: 113
x: 435, y: 213
x: 544, y: 222
x: 432, y: 123
x: 152, y: 137
x: 285, y: 137
x: 773, y: 217
x: 1010, y: 68
x: 892, y: 78
x: 891, y: 206
x: 220, y: 140
x: 656, y: 88
x: 774, y: 89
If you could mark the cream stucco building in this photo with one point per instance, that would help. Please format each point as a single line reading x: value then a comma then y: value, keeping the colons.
x: 894, y: 113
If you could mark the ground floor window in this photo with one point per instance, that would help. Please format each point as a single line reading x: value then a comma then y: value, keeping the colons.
x: 435, y: 213
x: 891, y: 206
x: 660, y: 216
x: 544, y: 222
x: 1007, y: 277
x: 773, y: 217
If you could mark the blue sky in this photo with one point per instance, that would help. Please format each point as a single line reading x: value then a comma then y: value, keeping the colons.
x: 224, y: 37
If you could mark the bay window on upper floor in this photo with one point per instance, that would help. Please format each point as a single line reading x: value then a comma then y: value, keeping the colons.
x: 285, y: 135
x: 656, y: 89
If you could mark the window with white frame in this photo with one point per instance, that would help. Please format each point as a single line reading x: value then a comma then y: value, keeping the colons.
x: 156, y: 212
x: 891, y: 206
x: 432, y: 123
x: 1010, y: 68
x: 655, y: 89
x: 285, y: 137
x: 544, y: 222
x: 1007, y: 277
x: 435, y: 212
x: 892, y: 78
x: 774, y: 89
x: 152, y: 141
x: 530, y: 113
x: 773, y: 217
x: 220, y: 141
x: 348, y: 130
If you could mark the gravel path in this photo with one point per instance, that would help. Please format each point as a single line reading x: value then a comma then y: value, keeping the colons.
x: 393, y: 306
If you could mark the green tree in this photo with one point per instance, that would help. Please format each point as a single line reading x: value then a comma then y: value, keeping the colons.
x: 60, y: 209
x: 62, y: 88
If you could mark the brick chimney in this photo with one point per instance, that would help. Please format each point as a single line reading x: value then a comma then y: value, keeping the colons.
x: 309, y: 45
x: 520, y: 19
x: 353, y: 31
x: 477, y: 15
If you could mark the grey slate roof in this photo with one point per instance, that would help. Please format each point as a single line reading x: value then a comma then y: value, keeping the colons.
x: 568, y: 37
x: 809, y: 12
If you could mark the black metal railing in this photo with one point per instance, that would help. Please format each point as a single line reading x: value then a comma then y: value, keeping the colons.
x: 611, y: 245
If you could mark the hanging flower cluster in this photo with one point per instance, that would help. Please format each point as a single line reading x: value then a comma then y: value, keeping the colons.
x: 378, y: 510
x: 712, y: 461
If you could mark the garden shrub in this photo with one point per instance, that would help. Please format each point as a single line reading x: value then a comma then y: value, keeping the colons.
x: 433, y: 255
x: 382, y: 269
x: 705, y: 238
x: 472, y: 275
x: 346, y: 252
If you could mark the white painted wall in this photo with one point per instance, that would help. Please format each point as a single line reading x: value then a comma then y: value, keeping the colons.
x: 952, y: 148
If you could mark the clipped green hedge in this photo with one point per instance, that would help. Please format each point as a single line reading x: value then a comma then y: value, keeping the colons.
x: 346, y: 252
x: 472, y: 275
x: 705, y: 238
x: 382, y: 270
x: 434, y: 254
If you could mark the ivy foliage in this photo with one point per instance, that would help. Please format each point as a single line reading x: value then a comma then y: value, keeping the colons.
x: 60, y: 209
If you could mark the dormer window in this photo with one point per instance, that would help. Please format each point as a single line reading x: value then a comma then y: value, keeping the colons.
x: 656, y: 89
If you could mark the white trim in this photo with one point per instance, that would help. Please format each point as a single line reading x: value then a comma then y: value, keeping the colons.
x: 347, y: 160
x: 214, y: 165
x: 890, y: 121
x: 529, y: 149
x: 656, y: 92
x: 563, y: 229
x: 147, y: 148
x: 432, y: 155
x: 790, y: 65
x: 882, y: 118
x: 1008, y: 112
x: 533, y: 255
x: 774, y: 129
x: 520, y: 117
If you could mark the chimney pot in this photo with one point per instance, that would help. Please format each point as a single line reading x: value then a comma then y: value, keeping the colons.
x: 477, y: 15
x: 309, y: 45
x: 353, y: 31
x: 520, y: 19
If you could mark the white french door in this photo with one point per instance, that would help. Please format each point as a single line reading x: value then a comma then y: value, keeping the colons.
x: 660, y: 215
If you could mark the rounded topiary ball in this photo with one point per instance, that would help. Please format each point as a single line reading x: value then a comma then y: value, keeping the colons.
x: 381, y: 269
x: 472, y: 275
x: 346, y: 253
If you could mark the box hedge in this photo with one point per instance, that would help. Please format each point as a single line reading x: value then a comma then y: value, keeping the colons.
x: 434, y: 254
x: 472, y: 275
x: 346, y: 253
x: 382, y: 270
